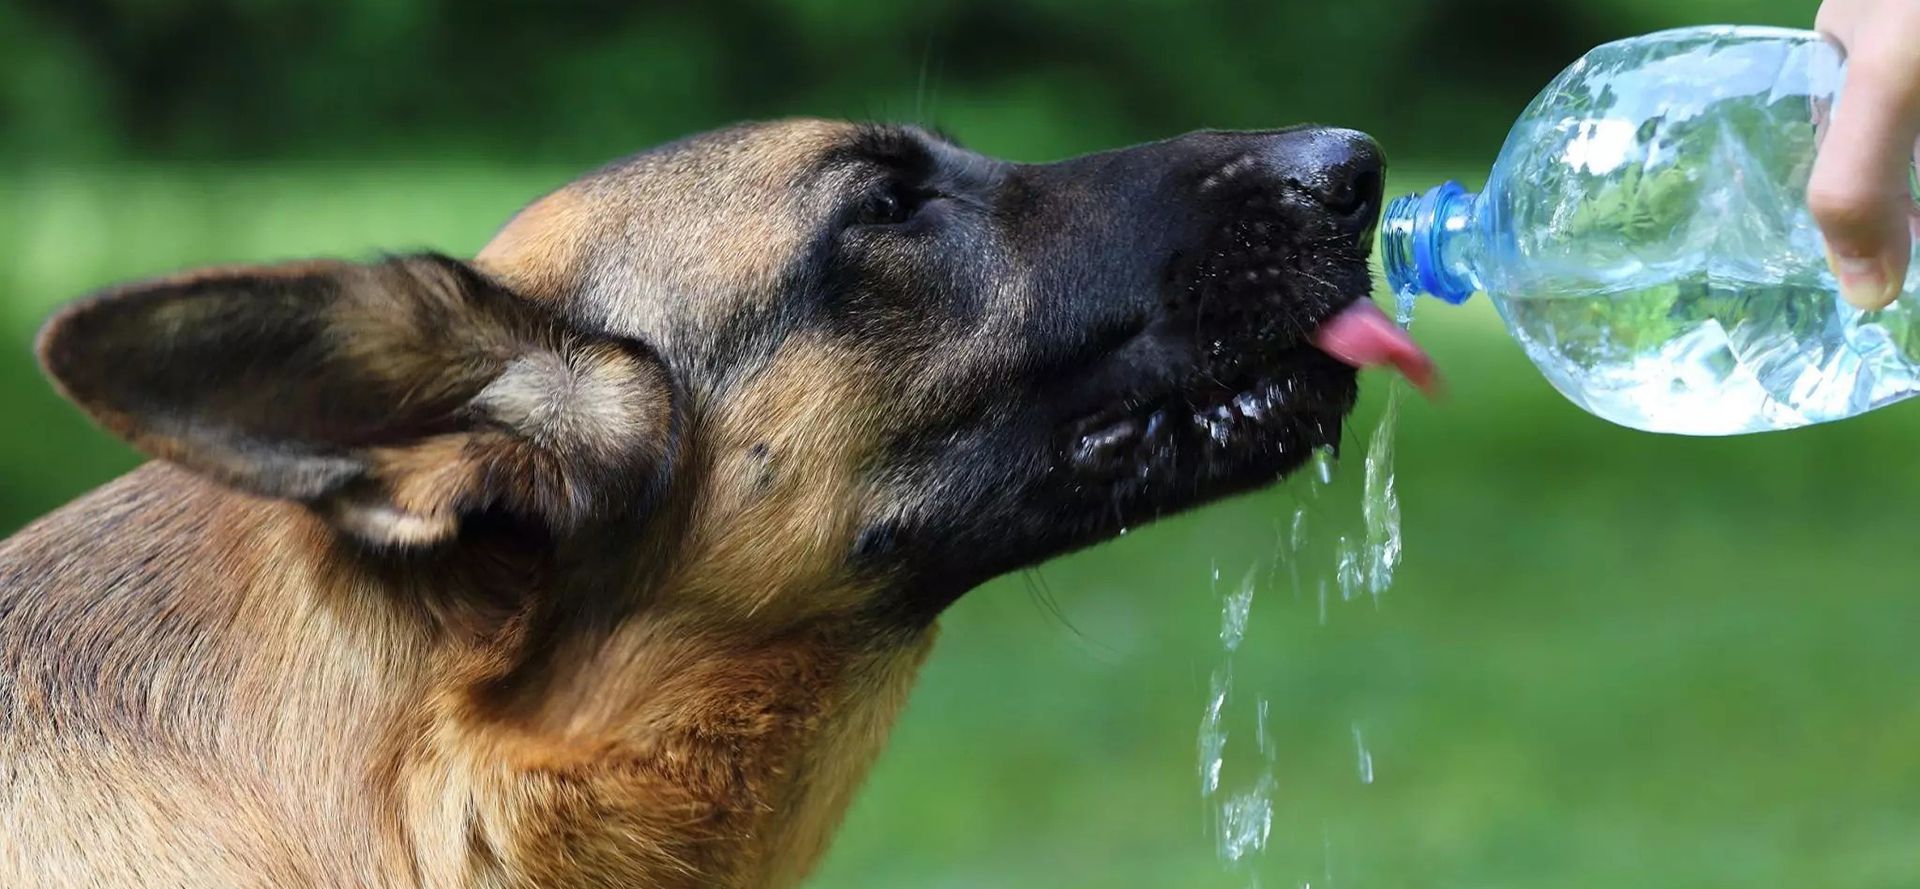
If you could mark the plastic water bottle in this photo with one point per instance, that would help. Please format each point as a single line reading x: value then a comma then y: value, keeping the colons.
x: 1646, y: 238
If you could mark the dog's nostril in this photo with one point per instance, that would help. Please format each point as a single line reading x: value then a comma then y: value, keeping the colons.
x: 1352, y: 190
x: 1360, y: 195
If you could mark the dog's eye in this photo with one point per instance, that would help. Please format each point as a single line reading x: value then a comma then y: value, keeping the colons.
x: 890, y: 205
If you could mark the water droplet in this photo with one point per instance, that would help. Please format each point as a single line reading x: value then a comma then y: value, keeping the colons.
x: 1262, y: 738
x: 1213, y: 738
x: 1250, y: 406
x: 1364, y: 759
x: 1348, y: 572
x: 1292, y: 550
x: 1233, y: 616
x: 1326, y: 852
x: 1323, y: 461
x: 1403, y: 304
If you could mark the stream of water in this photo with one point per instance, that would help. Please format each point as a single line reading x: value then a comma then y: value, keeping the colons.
x: 1241, y: 811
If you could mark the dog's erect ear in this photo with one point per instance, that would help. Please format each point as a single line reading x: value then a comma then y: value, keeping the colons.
x: 394, y: 397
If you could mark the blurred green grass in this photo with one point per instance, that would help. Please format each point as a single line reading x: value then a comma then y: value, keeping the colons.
x: 1610, y: 659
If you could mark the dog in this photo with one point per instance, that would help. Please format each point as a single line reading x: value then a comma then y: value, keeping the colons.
x: 609, y: 556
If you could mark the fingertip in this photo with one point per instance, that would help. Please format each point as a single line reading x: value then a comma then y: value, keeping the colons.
x: 1865, y: 227
x: 1866, y: 282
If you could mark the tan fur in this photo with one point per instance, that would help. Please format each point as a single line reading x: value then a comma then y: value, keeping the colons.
x: 200, y: 687
x: 540, y: 251
x: 688, y: 751
x: 781, y: 522
x: 667, y: 227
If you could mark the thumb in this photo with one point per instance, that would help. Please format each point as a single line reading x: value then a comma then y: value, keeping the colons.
x: 1858, y: 191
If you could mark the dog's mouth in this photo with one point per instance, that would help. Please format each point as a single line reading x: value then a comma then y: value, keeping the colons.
x: 1271, y: 330
x: 1293, y: 405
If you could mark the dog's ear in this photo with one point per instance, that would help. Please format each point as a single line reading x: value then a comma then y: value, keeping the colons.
x: 394, y: 397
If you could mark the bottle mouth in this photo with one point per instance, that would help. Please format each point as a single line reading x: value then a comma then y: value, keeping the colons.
x: 1411, y: 231
x: 1396, y: 245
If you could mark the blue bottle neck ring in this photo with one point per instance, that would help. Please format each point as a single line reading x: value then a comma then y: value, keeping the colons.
x: 1423, y: 239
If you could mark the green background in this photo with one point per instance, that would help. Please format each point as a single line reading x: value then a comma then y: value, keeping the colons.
x: 1610, y: 659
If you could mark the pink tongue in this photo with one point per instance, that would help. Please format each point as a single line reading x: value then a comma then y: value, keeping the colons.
x: 1363, y: 336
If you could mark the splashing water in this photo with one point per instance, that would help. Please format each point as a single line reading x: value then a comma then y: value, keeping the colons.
x: 1246, y: 820
x: 1242, y: 808
x: 1246, y: 817
x: 1242, y: 815
x: 1233, y: 627
x: 1380, y: 504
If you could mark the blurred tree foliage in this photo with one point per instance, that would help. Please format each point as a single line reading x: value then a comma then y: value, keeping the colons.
x: 242, y: 80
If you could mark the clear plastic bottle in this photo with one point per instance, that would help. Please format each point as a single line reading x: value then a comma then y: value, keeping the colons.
x: 1645, y: 236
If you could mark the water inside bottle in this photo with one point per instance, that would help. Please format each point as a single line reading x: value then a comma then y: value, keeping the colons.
x: 1713, y: 355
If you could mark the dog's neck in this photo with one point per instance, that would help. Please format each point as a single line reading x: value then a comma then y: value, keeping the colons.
x: 628, y: 666
x: 511, y: 729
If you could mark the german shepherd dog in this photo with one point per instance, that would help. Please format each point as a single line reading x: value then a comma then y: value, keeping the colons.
x: 608, y: 557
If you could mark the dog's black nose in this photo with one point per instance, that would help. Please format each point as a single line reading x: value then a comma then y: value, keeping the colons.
x: 1340, y: 169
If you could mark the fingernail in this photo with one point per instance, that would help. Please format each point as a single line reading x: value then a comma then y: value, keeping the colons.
x: 1863, y: 281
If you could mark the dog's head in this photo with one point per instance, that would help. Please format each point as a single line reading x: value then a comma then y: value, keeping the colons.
x: 801, y: 357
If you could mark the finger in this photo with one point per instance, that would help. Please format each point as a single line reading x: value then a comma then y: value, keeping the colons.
x: 1838, y: 17
x: 1858, y: 191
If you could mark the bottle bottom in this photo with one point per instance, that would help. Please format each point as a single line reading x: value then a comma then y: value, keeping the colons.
x: 1707, y: 356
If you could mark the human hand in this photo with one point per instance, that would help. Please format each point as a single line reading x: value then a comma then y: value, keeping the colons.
x: 1859, y: 192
